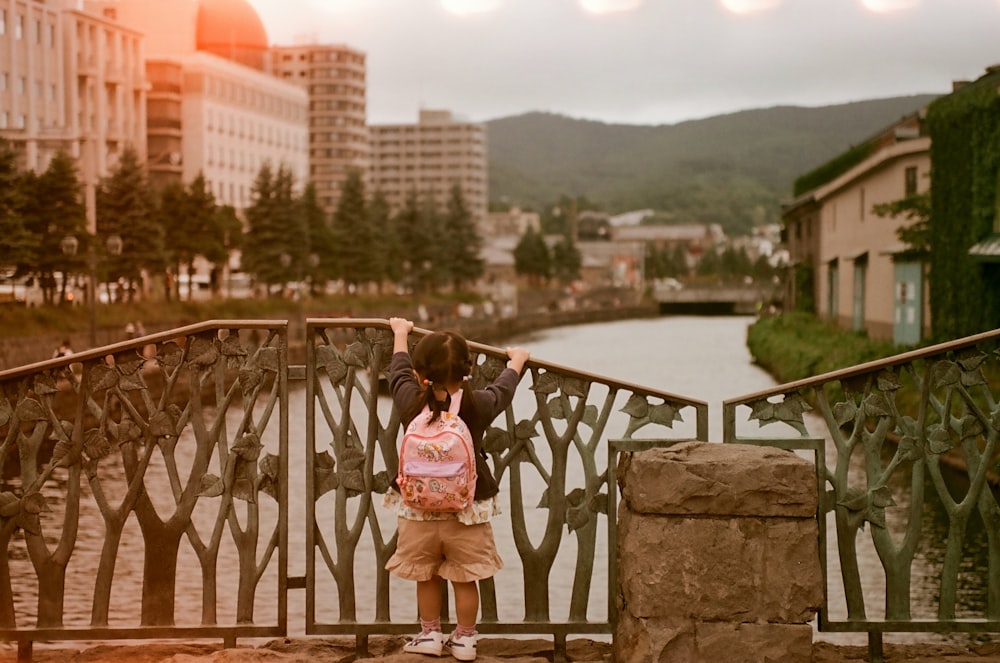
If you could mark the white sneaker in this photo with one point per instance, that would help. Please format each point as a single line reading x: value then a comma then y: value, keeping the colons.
x: 430, y: 643
x: 462, y: 647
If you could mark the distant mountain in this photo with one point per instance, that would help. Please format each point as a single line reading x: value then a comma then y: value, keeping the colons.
x: 733, y: 169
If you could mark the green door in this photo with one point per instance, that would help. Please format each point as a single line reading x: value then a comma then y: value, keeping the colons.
x: 908, y: 303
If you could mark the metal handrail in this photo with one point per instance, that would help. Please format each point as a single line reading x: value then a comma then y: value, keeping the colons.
x: 894, y: 439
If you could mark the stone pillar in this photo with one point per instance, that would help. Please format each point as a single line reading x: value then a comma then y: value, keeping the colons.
x: 717, y: 555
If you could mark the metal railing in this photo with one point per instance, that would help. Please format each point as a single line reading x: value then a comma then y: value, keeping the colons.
x: 131, y: 470
x: 907, y: 448
x: 151, y: 488
x: 547, y: 451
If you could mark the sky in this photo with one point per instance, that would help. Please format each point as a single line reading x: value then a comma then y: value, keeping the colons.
x: 643, y: 61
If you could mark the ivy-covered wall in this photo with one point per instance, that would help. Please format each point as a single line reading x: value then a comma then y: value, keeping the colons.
x: 965, y: 155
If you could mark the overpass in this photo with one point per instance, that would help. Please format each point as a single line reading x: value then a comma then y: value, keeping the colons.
x: 713, y: 300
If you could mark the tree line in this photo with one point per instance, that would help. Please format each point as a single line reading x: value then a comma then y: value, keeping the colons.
x: 284, y: 236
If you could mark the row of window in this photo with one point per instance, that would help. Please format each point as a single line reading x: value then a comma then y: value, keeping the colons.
x: 248, y: 97
x: 236, y: 125
x: 233, y: 159
x: 42, y: 34
x: 325, y: 56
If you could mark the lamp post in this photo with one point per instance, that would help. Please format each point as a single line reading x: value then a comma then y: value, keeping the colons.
x: 69, y: 246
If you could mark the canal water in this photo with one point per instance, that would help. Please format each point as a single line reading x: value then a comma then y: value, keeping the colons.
x: 698, y: 357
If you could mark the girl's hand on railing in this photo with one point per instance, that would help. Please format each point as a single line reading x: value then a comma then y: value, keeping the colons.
x: 518, y: 358
x: 401, y: 328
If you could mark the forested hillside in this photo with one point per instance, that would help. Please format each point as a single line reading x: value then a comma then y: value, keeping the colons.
x: 734, y: 169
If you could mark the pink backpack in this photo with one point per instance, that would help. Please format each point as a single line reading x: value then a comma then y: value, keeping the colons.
x: 437, y: 462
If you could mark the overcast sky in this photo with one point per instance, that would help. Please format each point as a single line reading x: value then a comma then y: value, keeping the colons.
x: 643, y: 61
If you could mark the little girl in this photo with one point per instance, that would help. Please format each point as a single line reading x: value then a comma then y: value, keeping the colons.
x: 456, y: 546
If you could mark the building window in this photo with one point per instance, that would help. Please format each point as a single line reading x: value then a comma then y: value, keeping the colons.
x: 19, y: 27
x: 3, y: 21
x: 910, y: 181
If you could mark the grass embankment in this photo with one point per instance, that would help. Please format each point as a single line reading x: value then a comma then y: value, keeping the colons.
x: 20, y: 321
x: 795, y: 346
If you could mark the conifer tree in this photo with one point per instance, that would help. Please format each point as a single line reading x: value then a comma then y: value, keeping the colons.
x: 461, y: 241
x: 566, y: 260
x: 17, y: 244
x: 353, y: 234
x: 319, y: 239
x: 265, y: 238
x: 531, y: 257
x: 390, y: 250
x: 59, y: 212
x: 126, y: 207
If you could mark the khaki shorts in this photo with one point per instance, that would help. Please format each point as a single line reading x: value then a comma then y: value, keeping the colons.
x: 445, y: 548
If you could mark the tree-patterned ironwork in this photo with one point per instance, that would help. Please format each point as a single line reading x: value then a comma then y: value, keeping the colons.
x: 897, y: 433
x: 147, y: 432
x: 559, y: 437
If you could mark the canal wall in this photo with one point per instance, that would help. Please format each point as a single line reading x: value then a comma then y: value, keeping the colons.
x: 16, y: 351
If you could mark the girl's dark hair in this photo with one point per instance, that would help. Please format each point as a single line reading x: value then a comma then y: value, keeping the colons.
x: 441, y: 358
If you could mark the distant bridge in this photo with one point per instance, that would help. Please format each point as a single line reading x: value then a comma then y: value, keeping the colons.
x: 713, y: 300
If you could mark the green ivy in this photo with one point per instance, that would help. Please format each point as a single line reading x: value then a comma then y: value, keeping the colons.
x: 834, y: 168
x: 965, y: 154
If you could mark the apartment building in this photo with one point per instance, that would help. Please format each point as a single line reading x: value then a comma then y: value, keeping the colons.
x: 863, y: 277
x: 430, y: 157
x: 72, y: 79
x: 335, y: 78
x: 214, y: 106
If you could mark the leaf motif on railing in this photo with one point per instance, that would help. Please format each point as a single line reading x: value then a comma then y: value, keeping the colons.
x: 789, y: 410
x: 29, y: 409
x: 637, y: 407
x: 556, y: 410
x: 231, y: 347
x: 546, y: 383
x: 664, y: 414
x: 270, y: 470
x: 599, y: 503
x: 10, y: 504
x: 525, y: 430
x: 854, y: 385
x: 324, y: 475
x: 970, y: 427
x: 381, y: 482
x: 128, y: 363
x: 844, y: 412
x: 488, y: 371
x: 328, y: 359
x: 128, y: 431
x: 250, y: 377
x: 269, y: 359
x: 211, y: 486
x: 103, y: 377
x: 243, y: 488
x: 96, y: 444
x: 62, y: 451
x: 577, y: 514
x: 573, y: 386
x: 909, y: 448
x: 202, y: 352
x: 938, y: 439
x: 44, y: 384
x: 352, y: 464
x: 29, y: 508
x: 356, y: 355
x: 887, y: 381
x: 169, y: 354
x: 248, y: 447
x: 6, y: 411
x: 945, y: 374
x: 971, y: 359
x: 162, y: 425
x: 132, y: 382
x: 496, y: 440
x: 876, y: 405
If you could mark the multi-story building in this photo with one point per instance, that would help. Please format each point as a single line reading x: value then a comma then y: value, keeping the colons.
x: 214, y: 107
x: 73, y: 80
x: 430, y: 157
x: 863, y: 278
x: 334, y: 76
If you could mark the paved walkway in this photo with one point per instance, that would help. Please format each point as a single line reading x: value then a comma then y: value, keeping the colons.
x: 491, y: 650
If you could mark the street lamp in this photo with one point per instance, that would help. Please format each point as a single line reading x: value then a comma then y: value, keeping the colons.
x: 69, y: 246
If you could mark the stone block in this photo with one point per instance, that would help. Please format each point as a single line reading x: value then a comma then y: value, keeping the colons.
x: 720, y: 479
x: 665, y: 640
x: 716, y: 569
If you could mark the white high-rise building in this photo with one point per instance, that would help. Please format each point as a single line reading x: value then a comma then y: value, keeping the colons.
x: 430, y: 157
